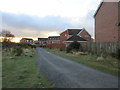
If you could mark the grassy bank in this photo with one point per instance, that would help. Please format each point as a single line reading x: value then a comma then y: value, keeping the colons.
x: 21, y: 71
x: 106, y: 64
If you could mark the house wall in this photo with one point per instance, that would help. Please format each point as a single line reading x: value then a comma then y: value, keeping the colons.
x: 105, y: 20
x: 27, y: 41
x: 53, y: 41
x: 42, y: 42
x: 119, y: 21
x: 85, y: 35
x: 63, y: 36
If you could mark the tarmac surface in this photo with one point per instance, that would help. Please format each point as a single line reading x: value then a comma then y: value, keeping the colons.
x: 64, y: 73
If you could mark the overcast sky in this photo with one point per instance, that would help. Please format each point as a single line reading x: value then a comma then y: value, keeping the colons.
x: 42, y: 18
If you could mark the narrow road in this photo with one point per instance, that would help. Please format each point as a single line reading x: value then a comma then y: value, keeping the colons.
x: 64, y: 73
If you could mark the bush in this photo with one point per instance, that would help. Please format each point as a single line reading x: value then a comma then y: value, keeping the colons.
x: 24, y: 45
x: 32, y: 46
x: 73, y: 46
x: 68, y: 49
x: 62, y: 49
x: 118, y: 54
x: 17, y: 50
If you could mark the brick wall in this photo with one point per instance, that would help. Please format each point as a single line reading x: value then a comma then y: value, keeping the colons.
x: 119, y: 21
x: 53, y: 41
x: 63, y: 36
x: 56, y: 45
x: 85, y: 35
x: 105, y: 20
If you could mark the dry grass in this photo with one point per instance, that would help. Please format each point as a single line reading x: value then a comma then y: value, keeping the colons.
x: 107, y: 64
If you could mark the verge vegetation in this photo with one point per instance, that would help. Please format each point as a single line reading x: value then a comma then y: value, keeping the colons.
x: 19, y: 68
x: 107, y: 64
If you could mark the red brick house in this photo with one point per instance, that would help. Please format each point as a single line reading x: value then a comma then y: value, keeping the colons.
x: 107, y: 22
x: 54, y: 42
x: 27, y: 40
x: 71, y: 35
x: 53, y: 39
x: 42, y: 41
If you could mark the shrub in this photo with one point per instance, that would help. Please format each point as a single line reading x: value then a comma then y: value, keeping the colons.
x: 24, y: 45
x: 73, y: 46
x: 17, y: 50
x: 62, y: 49
x: 113, y: 55
x: 68, y: 49
x: 32, y: 46
x: 118, y: 54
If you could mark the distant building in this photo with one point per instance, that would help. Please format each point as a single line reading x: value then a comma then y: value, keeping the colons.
x: 54, y: 42
x: 27, y: 40
x: 107, y: 22
x: 71, y: 35
x: 42, y: 41
x: 53, y: 39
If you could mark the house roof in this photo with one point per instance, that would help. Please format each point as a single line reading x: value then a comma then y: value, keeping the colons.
x: 42, y: 39
x: 85, y: 31
x: 73, y: 31
x: 98, y: 8
x: 54, y: 37
x: 26, y: 39
x: 75, y: 38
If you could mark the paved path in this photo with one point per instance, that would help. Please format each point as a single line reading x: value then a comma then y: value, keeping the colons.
x: 69, y: 74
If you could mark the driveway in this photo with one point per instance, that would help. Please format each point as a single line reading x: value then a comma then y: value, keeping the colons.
x: 64, y: 73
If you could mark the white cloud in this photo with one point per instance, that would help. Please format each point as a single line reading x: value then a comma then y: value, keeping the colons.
x: 56, y: 15
x: 63, y: 8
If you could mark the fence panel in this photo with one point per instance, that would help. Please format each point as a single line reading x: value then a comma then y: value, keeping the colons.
x: 100, y: 47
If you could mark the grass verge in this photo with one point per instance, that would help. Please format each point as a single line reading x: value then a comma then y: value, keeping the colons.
x: 106, y: 64
x: 21, y: 72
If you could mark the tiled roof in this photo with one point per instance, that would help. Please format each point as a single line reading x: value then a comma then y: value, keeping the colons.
x: 42, y: 39
x: 73, y: 31
x: 75, y: 38
x: 26, y: 39
x: 54, y: 37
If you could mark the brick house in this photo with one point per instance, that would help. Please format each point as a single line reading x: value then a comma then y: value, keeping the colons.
x: 107, y: 22
x: 42, y: 41
x: 54, y: 42
x: 27, y: 40
x: 53, y: 39
x: 71, y: 35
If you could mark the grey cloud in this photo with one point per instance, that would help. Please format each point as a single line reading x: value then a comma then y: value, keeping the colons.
x: 36, y: 23
x: 18, y: 23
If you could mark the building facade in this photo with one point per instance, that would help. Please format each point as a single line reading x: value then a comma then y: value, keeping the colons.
x: 27, y: 40
x: 69, y: 33
x: 107, y: 19
x: 42, y: 41
x: 54, y: 42
x: 53, y: 39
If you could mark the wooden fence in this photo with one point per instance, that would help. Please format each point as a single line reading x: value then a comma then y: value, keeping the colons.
x: 100, y: 47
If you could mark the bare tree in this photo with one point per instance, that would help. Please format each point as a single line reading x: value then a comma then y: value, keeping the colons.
x: 7, y: 35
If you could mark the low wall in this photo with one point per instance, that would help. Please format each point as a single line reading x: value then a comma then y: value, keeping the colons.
x: 55, y: 45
